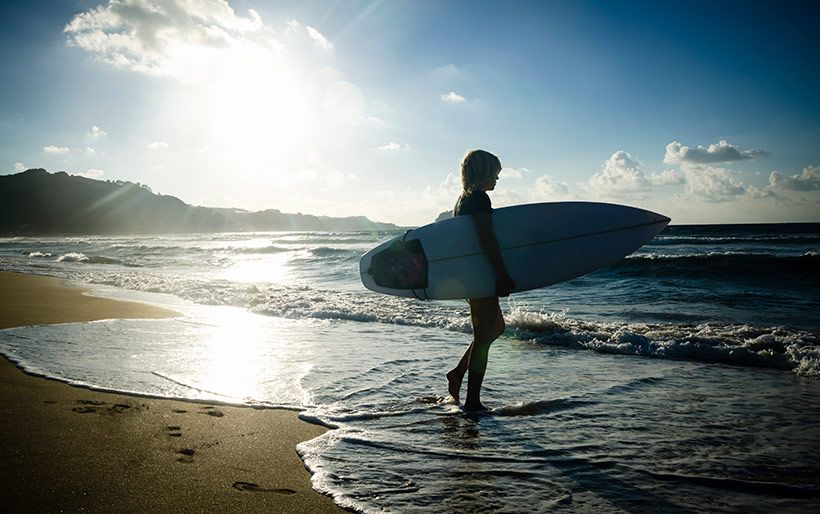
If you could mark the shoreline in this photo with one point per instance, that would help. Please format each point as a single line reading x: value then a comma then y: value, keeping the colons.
x: 76, y: 448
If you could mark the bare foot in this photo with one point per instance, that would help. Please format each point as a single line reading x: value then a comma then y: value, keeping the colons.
x: 454, y: 383
x: 474, y: 407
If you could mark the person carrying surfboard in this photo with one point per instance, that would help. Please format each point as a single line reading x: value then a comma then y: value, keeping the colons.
x: 479, y: 174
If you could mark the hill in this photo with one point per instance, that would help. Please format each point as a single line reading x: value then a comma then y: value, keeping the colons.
x: 37, y: 202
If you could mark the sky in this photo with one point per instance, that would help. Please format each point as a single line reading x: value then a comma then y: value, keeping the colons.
x: 707, y: 112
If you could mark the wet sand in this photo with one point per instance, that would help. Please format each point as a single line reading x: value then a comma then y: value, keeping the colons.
x: 66, y: 448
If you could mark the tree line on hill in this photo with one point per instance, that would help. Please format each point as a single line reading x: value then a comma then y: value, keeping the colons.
x: 36, y: 202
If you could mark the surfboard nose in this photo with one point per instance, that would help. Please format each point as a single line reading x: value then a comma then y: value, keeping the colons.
x: 658, y: 218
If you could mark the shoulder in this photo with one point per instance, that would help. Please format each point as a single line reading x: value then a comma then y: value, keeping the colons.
x: 473, y: 203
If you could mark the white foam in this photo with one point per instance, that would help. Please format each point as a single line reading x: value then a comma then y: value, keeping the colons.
x: 72, y: 257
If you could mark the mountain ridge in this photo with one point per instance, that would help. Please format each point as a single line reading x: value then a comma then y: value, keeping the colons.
x: 37, y: 202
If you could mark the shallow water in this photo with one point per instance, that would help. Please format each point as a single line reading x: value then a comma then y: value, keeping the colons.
x: 700, y: 391
x: 571, y: 430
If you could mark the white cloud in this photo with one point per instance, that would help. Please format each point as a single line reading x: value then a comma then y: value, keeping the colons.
x: 367, y: 121
x: 445, y: 193
x: 91, y: 173
x: 90, y: 151
x: 547, y: 188
x: 620, y: 175
x: 56, y: 149
x: 19, y: 166
x: 156, y: 145
x: 392, y: 147
x: 318, y: 38
x: 809, y: 180
x: 758, y: 192
x: 712, y: 184
x: 336, y: 178
x: 667, y: 178
x: 96, y: 133
x: 182, y: 38
x: 453, y: 98
x: 513, y: 173
x: 723, y: 151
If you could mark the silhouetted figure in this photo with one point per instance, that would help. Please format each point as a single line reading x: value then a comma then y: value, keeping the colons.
x: 479, y: 174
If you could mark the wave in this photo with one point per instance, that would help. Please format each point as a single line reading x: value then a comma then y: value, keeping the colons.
x: 727, y: 264
x: 325, y: 251
x: 92, y: 259
x: 742, y: 345
x: 777, y: 347
x: 662, y: 240
x: 261, y: 250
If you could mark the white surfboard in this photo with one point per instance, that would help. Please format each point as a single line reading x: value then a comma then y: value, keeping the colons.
x: 541, y: 244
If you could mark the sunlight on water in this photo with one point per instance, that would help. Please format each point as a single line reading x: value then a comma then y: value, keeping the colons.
x: 270, y: 269
x: 233, y: 350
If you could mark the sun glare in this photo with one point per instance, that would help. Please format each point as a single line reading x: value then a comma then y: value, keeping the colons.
x: 235, y: 365
x: 257, y: 107
x: 268, y: 269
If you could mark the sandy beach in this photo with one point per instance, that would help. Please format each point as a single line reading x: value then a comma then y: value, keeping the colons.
x: 69, y: 449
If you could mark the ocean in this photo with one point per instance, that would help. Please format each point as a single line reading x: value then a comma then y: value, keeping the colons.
x: 685, y: 377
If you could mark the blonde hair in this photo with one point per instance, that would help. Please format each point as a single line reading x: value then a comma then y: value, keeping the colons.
x: 478, y: 167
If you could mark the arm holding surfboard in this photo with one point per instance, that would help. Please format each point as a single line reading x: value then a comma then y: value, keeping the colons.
x: 484, y: 225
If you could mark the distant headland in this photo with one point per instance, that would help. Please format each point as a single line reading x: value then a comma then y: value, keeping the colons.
x: 36, y: 202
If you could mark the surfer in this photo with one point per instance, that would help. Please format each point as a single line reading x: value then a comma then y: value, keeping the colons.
x: 479, y: 174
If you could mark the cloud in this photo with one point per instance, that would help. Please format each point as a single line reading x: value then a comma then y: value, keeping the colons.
x: 547, y: 188
x: 367, y: 120
x: 96, y: 133
x: 318, y: 38
x: 513, y: 173
x: 723, y: 151
x: 760, y: 192
x: 445, y: 193
x: 448, y: 71
x: 91, y: 173
x: 711, y: 184
x: 90, y: 151
x: 453, y: 98
x: 19, y: 166
x: 179, y: 38
x: 156, y: 145
x: 620, y: 175
x: 809, y: 180
x: 56, y: 149
x: 392, y: 147
x: 667, y: 178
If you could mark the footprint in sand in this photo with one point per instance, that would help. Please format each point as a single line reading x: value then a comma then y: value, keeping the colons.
x: 256, y: 488
x: 212, y: 411
x: 187, y: 455
x: 179, y: 411
x: 89, y: 406
x: 84, y: 409
x: 174, y: 430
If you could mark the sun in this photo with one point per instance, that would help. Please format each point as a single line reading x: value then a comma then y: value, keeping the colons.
x: 257, y: 105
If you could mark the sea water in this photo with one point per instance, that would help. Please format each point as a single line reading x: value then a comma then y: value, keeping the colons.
x: 682, y: 378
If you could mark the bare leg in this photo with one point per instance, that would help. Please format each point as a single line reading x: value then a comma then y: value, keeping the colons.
x: 488, y: 324
x: 456, y: 375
